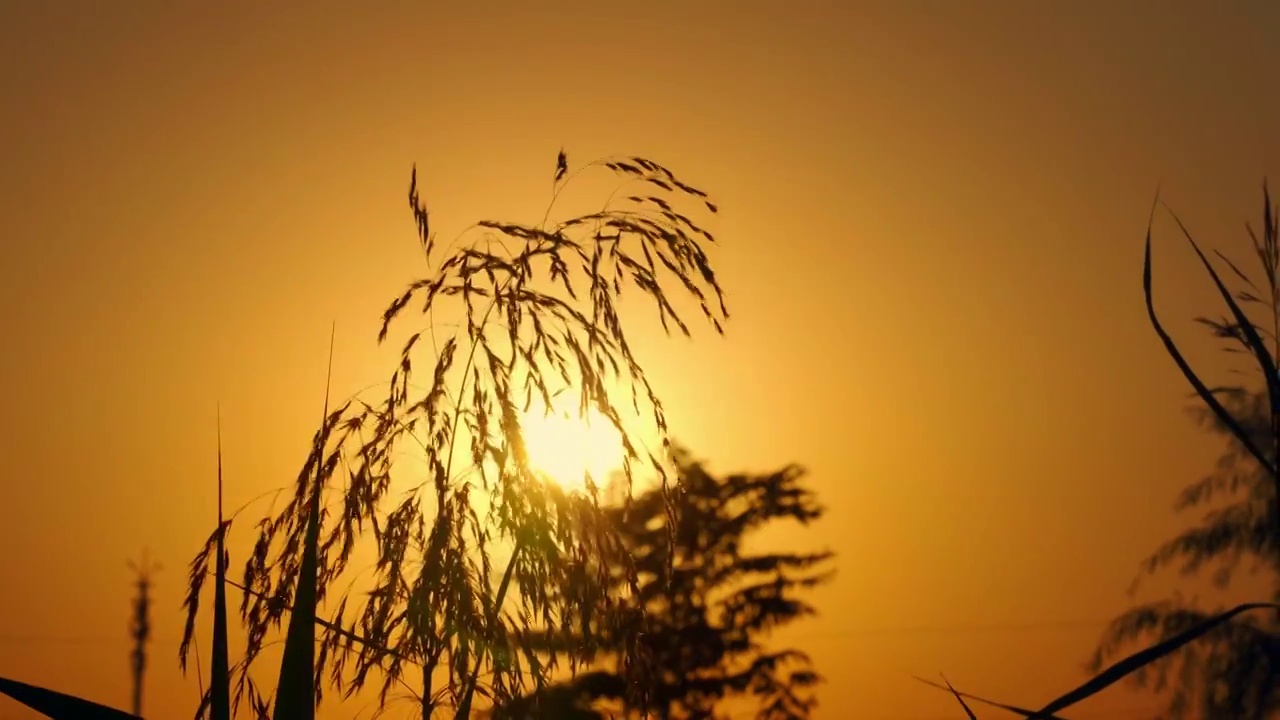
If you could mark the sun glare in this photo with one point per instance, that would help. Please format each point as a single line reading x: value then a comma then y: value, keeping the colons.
x: 566, y: 447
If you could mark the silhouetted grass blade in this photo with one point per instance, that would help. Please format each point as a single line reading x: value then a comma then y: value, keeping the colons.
x: 960, y: 700
x: 220, y: 667
x: 1003, y: 706
x: 59, y: 706
x: 1250, y: 333
x: 1201, y: 389
x: 360, y: 639
x: 295, y: 694
x: 296, y: 691
x: 468, y: 692
x: 1117, y: 671
x: 1120, y: 669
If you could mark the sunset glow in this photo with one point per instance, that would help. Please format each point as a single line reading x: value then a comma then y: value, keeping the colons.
x: 930, y: 223
x: 567, y: 447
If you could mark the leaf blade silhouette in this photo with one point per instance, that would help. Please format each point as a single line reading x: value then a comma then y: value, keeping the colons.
x: 960, y: 700
x: 296, y: 690
x: 1024, y: 712
x: 1172, y: 349
x: 1121, y: 668
x: 57, y: 705
x: 220, y: 665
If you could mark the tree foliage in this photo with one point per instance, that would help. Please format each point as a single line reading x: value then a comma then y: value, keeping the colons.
x: 707, y: 602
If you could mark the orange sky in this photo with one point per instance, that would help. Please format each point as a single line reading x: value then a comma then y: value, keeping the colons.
x: 932, y: 218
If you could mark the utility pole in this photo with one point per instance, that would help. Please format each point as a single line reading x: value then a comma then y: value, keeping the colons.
x: 140, y: 627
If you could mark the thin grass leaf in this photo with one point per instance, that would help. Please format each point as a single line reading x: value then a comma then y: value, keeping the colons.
x: 341, y: 631
x: 1239, y: 273
x: 1259, y: 350
x: 199, y: 677
x: 1011, y: 708
x: 1171, y: 347
x: 1120, y: 669
x: 1134, y: 662
x: 296, y: 690
x: 464, y: 707
x: 59, y: 706
x: 220, y: 665
x: 959, y: 699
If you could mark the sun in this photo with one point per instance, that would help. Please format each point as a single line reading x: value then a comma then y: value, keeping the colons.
x: 566, y: 447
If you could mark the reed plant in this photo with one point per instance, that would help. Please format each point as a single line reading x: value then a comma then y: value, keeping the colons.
x: 1230, y: 685
x: 540, y: 322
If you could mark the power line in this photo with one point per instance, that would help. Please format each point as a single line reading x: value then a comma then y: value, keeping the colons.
x: 960, y: 628
x: 36, y: 639
x: 1126, y: 713
x: 32, y: 639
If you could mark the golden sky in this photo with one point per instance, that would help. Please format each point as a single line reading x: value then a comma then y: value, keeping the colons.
x: 932, y: 218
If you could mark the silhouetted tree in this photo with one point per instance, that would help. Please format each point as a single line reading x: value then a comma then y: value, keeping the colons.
x: 1234, y: 670
x: 705, y: 603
